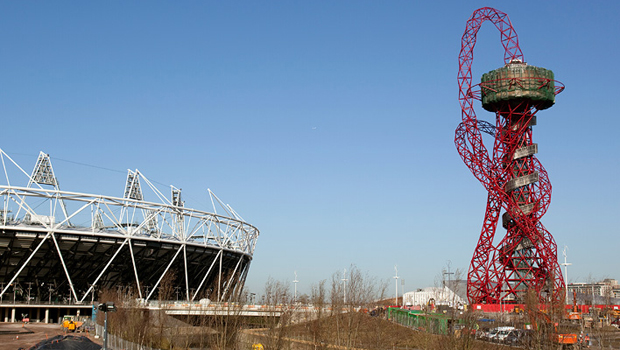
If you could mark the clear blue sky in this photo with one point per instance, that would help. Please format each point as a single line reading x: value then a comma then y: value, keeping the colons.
x: 328, y: 125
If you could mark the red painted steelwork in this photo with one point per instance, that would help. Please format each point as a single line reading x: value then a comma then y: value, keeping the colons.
x: 526, y: 258
x: 510, y: 308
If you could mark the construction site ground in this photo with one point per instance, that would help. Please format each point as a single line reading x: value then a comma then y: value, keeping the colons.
x: 14, y: 336
x: 17, y: 335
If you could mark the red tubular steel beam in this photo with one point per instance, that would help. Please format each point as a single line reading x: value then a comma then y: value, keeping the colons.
x: 525, y: 260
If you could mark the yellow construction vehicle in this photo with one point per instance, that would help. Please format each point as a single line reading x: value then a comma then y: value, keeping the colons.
x: 71, y: 324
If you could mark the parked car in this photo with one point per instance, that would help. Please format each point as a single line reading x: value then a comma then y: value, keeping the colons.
x: 519, y: 337
x: 513, y: 338
x: 499, y: 334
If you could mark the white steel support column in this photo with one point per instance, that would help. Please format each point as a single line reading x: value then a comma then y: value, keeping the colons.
x: 246, y: 269
x: 242, y: 276
x: 104, y: 270
x: 64, y: 266
x: 165, y: 271
x: 135, y: 270
x: 49, y: 233
x: 232, y: 276
x: 25, y: 264
x: 206, y: 274
x: 219, y: 278
x: 186, y: 277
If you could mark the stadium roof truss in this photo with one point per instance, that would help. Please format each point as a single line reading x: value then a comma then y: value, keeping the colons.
x: 119, y: 241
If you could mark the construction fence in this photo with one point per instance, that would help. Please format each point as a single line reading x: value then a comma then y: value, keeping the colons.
x: 118, y: 343
x: 416, y: 319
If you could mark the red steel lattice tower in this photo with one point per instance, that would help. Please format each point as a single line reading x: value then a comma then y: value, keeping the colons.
x: 503, y: 271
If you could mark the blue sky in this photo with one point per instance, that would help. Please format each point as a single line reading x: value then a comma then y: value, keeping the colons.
x: 328, y: 125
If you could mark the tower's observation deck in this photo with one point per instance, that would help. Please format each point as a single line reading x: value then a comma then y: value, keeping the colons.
x: 515, y: 83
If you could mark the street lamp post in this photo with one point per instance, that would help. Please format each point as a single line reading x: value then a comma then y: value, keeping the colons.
x: 451, y: 300
x: 449, y: 273
x: 106, y: 307
x: 295, y: 282
x: 396, y: 285
x: 566, y: 264
x: 344, y: 281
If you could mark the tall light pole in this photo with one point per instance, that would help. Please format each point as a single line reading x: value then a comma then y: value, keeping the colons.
x: 448, y: 273
x: 566, y: 264
x: 344, y: 281
x: 396, y: 280
x: 295, y: 281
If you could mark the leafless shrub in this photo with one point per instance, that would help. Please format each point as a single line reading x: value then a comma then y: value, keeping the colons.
x: 130, y: 321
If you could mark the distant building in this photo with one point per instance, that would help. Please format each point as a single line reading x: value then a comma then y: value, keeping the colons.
x: 440, y: 296
x: 615, y: 287
x: 600, y: 291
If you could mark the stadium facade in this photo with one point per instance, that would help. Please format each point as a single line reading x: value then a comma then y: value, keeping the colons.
x: 129, y: 242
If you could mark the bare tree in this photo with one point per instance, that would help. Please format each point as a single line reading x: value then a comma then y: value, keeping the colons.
x: 222, y: 329
x: 165, y: 292
x: 319, y: 302
x: 279, y: 302
x: 352, y: 296
x: 536, y: 321
x: 131, y: 321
